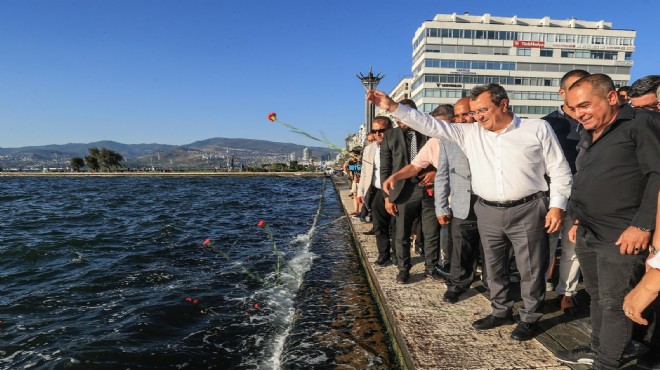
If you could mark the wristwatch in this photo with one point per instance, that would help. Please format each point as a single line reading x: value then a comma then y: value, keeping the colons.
x: 643, y: 229
x: 652, y: 250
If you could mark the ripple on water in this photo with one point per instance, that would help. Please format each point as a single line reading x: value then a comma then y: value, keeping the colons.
x: 97, y: 272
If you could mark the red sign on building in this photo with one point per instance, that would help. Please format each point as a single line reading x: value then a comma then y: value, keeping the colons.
x: 528, y: 44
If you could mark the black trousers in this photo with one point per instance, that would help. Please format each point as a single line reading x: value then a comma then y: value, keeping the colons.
x: 382, y: 222
x: 465, y: 250
x: 410, y: 203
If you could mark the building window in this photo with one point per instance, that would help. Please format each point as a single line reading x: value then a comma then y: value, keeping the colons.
x: 628, y: 56
x: 524, y: 52
x: 546, y: 52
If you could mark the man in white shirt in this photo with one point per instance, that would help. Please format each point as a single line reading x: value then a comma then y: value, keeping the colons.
x: 508, y: 158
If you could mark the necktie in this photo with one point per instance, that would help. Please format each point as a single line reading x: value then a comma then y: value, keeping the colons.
x: 413, y: 144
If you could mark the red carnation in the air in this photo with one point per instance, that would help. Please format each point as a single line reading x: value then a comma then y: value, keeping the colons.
x: 272, y: 117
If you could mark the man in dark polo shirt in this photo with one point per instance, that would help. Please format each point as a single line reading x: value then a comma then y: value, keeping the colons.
x: 614, y: 196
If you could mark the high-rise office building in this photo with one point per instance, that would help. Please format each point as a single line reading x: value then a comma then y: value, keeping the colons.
x: 453, y: 53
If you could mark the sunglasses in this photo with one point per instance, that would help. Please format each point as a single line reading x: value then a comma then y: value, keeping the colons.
x: 380, y: 131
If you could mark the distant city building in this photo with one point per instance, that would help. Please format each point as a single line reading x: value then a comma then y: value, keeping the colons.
x: 399, y: 92
x: 293, y: 157
x: 325, y: 156
x: 307, y: 154
x: 527, y: 56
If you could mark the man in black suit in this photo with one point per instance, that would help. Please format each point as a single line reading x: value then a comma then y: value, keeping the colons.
x: 409, y: 197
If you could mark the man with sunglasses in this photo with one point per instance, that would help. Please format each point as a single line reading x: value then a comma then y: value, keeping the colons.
x: 508, y: 158
x: 643, y: 93
x: 408, y: 199
x: 370, y: 188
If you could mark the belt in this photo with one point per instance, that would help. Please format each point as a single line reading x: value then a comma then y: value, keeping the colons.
x: 513, y: 203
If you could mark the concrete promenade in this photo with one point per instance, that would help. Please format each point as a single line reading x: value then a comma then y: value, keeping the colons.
x: 431, y: 334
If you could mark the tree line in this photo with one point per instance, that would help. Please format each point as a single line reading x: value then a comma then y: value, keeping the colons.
x: 97, y: 159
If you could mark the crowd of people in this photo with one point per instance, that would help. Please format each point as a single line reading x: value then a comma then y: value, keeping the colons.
x: 508, y: 190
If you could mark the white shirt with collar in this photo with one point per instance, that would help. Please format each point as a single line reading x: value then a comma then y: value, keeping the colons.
x: 507, y: 165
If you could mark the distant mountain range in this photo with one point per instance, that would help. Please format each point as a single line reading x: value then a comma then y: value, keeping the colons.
x: 215, y: 152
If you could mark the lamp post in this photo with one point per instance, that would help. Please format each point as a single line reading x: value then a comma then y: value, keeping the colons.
x: 369, y: 82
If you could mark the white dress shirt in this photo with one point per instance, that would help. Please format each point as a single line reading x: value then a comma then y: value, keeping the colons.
x: 508, y: 165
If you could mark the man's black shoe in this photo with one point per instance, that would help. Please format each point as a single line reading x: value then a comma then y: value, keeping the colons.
x: 419, y: 249
x: 524, y: 331
x: 433, y: 274
x: 383, y: 261
x: 491, y: 321
x: 582, y: 355
x: 650, y: 360
x: 402, y: 277
x: 370, y: 232
x: 443, y: 270
x: 451, y: 296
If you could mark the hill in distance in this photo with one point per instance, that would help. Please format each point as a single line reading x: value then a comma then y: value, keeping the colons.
x: 204, y: 151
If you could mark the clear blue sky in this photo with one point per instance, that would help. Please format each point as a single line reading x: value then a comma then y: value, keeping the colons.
x: 174, y: 72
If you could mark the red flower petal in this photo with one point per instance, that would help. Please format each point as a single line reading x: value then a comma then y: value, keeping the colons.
x: 207, y: 242
x: 261, y: 223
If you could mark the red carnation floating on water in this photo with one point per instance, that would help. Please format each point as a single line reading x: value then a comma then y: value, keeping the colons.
x: 261, y: 223
x: 272, y: 117
x: 206, y: 242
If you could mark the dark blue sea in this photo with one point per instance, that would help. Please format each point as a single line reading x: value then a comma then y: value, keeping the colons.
x: 112, y: 273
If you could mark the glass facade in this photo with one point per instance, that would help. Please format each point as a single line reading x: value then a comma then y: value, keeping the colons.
x: 453, y: 53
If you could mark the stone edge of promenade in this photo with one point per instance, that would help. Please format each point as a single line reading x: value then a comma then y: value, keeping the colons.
x: 429, y: 334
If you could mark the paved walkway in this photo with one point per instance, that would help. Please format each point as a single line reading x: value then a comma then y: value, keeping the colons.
x: 432, y: 334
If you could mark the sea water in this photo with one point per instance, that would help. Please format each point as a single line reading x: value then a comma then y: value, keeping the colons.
x: 114, y: 273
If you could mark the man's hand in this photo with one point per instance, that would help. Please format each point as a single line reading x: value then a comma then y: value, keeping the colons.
x: 572, y: 234
x: 388, y: 185
x: 444, y: 219
x: 391, y: 208
x: 381, y: 100
x: 427, y: 178
x: 641, y: 297
x: 554, y: 219
x: 633, y: 241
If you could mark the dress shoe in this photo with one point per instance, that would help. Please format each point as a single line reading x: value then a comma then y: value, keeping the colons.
x: 370, y: 232
x: 402, y: 277
x: 383, y: 261
x: 491, y: 321
x: 525, y: 331
x: 568, y: 305
x: 419, y: 249
x: 451, y: 296
x: 433, y: 274
x: 443, y: 270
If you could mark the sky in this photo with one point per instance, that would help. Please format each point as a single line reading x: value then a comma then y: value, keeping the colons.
x: 175, y: 72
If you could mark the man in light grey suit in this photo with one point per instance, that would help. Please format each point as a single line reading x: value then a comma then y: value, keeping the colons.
x: 453, y: 179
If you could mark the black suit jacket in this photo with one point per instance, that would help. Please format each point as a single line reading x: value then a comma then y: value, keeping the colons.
x: 394, y: 155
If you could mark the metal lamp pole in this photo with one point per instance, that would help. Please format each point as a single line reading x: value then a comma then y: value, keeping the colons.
x: 369, y: 82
